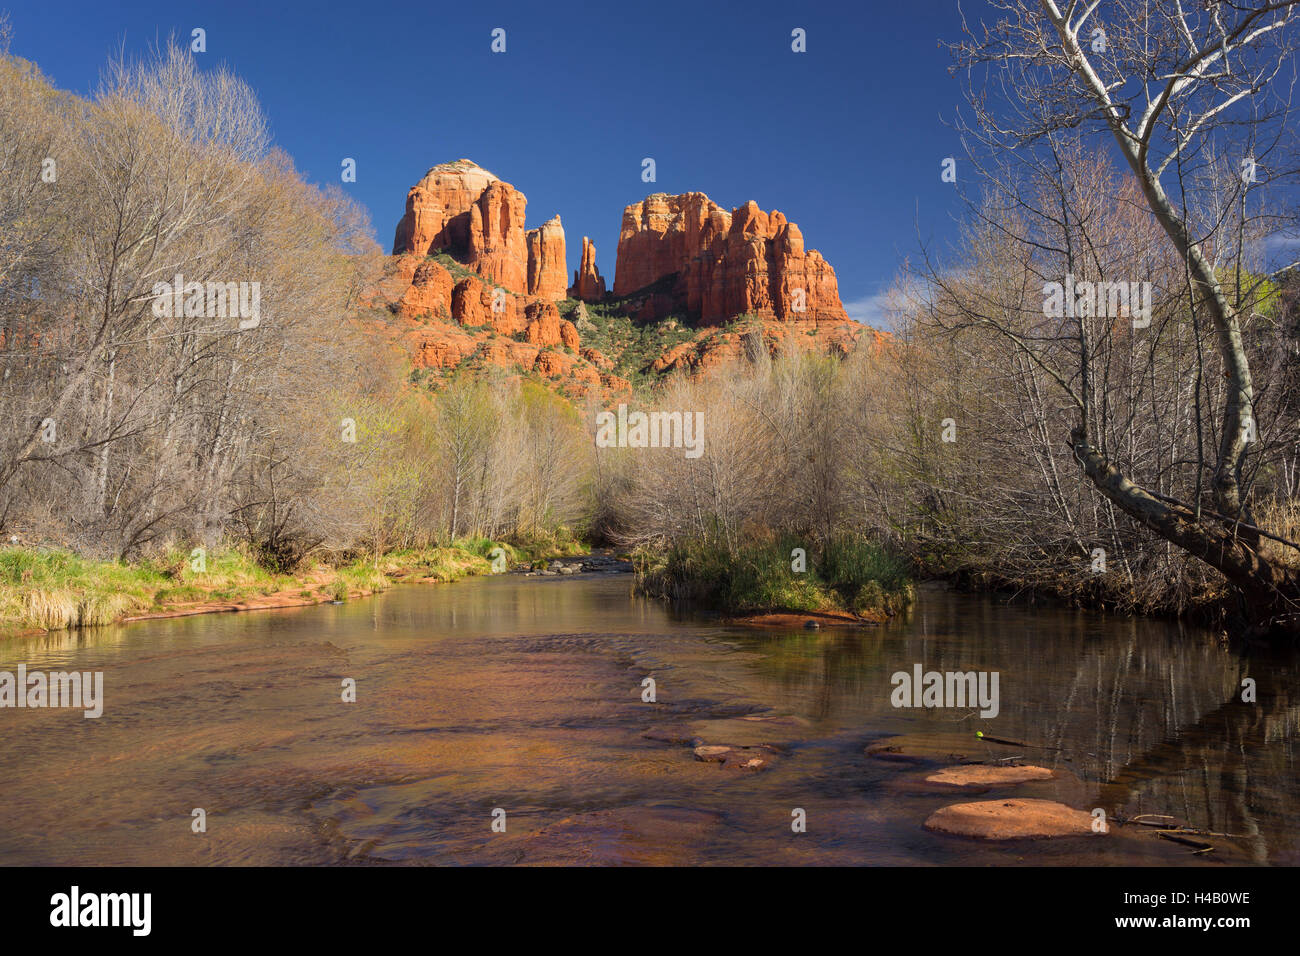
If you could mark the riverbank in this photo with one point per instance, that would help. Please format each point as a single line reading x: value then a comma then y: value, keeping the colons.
x: 846, y: 580
x: 44, y: 589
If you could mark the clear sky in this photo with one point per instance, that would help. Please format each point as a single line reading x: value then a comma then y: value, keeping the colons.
x: 846, y: 139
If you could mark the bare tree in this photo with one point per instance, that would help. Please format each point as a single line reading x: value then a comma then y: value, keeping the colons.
x: 1187, y: 96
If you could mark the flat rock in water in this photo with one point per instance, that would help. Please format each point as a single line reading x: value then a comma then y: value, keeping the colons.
x: 711, y: 753
x: 941, y: 748
x: 1011, y: 820
x: 983, y: 776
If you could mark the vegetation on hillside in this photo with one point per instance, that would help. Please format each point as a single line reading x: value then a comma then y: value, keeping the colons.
x: 631, y: 345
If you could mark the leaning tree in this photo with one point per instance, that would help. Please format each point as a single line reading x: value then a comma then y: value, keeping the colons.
x: 1192, y: 97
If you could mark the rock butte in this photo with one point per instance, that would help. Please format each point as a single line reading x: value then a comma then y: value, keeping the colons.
x: 677, y: 255
x: 1011, y: 820
x: 949, y: 748
x: 714, y: 265
x: 463, y: 209
x: 588, y: 283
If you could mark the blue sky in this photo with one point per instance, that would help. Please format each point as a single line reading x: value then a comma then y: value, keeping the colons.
x: 845, y: 139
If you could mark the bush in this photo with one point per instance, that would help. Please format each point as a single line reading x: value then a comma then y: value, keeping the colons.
x: 852, y: 574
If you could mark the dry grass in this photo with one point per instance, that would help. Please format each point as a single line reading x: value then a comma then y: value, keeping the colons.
x: 53, y: 589
x: 1282, y: 518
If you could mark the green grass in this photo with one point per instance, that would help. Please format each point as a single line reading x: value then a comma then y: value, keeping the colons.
x: 848, y: 573
x: 864, y: 575
x: 51, y: 589
x: 458, y: 270
x: 54, y: 589
x: 463, y: 558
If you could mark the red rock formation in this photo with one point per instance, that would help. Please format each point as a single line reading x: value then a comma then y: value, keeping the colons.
x: 422, y: 295
x: 588, y: 283
x: 498, y: 250
x: 685, y: 253
x: 546, y: 269
x: 462, y: 209
x: 546, y: 328
x: 430, y: 292
x: 676, y: 254
x: 543, y: 324
x: 438, y: 208
x: 569, y: 336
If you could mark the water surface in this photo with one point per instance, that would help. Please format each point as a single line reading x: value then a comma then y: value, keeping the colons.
x: 524, y: 694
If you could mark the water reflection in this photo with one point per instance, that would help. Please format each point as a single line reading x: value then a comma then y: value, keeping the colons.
x: 524, y: 694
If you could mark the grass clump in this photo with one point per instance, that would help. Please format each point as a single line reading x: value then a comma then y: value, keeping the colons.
x: 848, y: 573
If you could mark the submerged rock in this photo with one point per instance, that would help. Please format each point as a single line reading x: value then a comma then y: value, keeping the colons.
x: 736, y: 758
x: 671, y: 735
x: 624, y: 836
x: 711, y: 753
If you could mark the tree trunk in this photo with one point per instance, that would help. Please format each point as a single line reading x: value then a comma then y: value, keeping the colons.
x: 1271, y: 590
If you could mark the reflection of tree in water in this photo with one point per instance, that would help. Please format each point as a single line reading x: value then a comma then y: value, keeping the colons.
x: 1230, y: 771
x: 1147, y: 712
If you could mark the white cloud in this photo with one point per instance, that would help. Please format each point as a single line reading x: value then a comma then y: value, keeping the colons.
x: 868, y: 309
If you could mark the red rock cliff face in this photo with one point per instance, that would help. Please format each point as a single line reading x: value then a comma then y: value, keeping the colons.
x: 714, y: 265
x: 547, y: 273
x: 463, y: 209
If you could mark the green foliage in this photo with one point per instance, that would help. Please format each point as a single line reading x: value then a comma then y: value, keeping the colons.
x: 50, y: 588
x: 850, y: 574
x: 458, y: 270
x: 632, y: 346
x: 55, y: 589
x: 849, y: 562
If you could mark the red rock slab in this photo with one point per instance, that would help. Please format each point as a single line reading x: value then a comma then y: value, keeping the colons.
x: 671, y: 735
x: 628, y: 836
x: 983, y: 776
x: 800, y: 619
x: 1011, y: 820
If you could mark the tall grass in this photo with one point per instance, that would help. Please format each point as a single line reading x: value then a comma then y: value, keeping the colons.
x: 849, y: 573
x: 54, y: 589
x: 864, y: 575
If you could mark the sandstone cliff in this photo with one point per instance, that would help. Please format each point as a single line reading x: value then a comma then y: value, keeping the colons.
x: 685, y: 254
x: 464, y: 210
x: 490, y: 296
